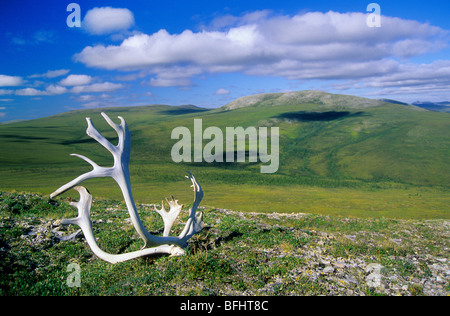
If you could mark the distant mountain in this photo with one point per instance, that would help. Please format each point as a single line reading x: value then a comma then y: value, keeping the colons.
x: 301, y: 97
x: 393, y: 101
x: 434, y: 106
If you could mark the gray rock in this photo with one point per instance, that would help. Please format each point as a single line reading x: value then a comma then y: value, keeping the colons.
x: 328, y: 269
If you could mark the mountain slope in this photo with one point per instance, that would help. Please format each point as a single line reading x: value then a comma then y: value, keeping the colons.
x: 300, y: 97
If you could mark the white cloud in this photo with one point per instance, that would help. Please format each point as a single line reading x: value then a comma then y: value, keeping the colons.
x: 410, y: 80
x: 107, y: 20
x: 50, y: 90
x: 55, y: 89
x: 6, y: 91
x: 51, y: 74
x: 97, y: 87
x: 29, y: 92
x: 313, y: 45
x: 10, y: 81
x: 162, y: 49
x: 437, y: 72
x: 76, y: 80
x: 222, y: 91
x: 173, y: 82
x: 90, y: 97
x: 44, y: 36
x: 37, y: 38
x: 86, y: 98
x: 309, y: 37
x: 175, y: 76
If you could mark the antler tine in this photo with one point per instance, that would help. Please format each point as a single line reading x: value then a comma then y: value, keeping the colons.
x: 92, y: 132
x: 97, y: 171
x: 195, y: 221
x: 169, y: 217
x: 198, y: 192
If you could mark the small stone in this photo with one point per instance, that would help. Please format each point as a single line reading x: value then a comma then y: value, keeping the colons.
x: 339, y: 265
x: 69, y: 237
x: 397, y: 241
x: 328, y: 269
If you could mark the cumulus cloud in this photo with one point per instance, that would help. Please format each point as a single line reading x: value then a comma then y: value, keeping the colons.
x: 76, y: 80
x: 162, y: 49
x: 39, y: 37
x: 10, y: 81
x: 222, y: 91
x: 107, y: 20
x: 97, y: 87
x: 50, y: 90
x: 306, y: 46
x: 173, y: 76
x: 55, y: 89
x: 296, y: 47
x: 6, y: 91
x: 58, y: 89
x: 410, y: 74
x: 51, y: 74
x: 29, y: 92
x: 411, y: 80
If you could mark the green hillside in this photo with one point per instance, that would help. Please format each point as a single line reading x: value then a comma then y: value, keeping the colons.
x: 339, y: 155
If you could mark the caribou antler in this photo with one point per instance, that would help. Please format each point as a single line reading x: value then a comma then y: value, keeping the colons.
x: 119, y: 172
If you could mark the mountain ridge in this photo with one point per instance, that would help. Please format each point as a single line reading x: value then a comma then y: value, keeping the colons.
x: 306, y: 96
x: 328, y: 100
x: 434, y: 106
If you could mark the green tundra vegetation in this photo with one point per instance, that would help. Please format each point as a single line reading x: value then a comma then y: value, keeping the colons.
x: 237, y: 253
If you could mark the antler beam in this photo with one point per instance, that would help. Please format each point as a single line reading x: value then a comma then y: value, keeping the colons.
x: 120, y: 173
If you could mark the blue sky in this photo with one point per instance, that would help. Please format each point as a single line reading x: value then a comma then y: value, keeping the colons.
x: 209, y: 53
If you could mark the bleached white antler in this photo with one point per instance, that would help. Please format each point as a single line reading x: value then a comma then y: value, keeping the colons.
x: 83, y: 220
x: 170, y: 216
x: 119, y: 172
x: 195, y: 222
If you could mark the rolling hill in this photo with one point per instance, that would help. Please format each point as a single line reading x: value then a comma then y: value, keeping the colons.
x: 339, y: 154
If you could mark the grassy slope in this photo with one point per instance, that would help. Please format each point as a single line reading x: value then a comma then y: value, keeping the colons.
x: 388, y: 160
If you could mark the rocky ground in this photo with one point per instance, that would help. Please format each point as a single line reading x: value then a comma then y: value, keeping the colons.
x: 236, y: 254
x: 345, y: 264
